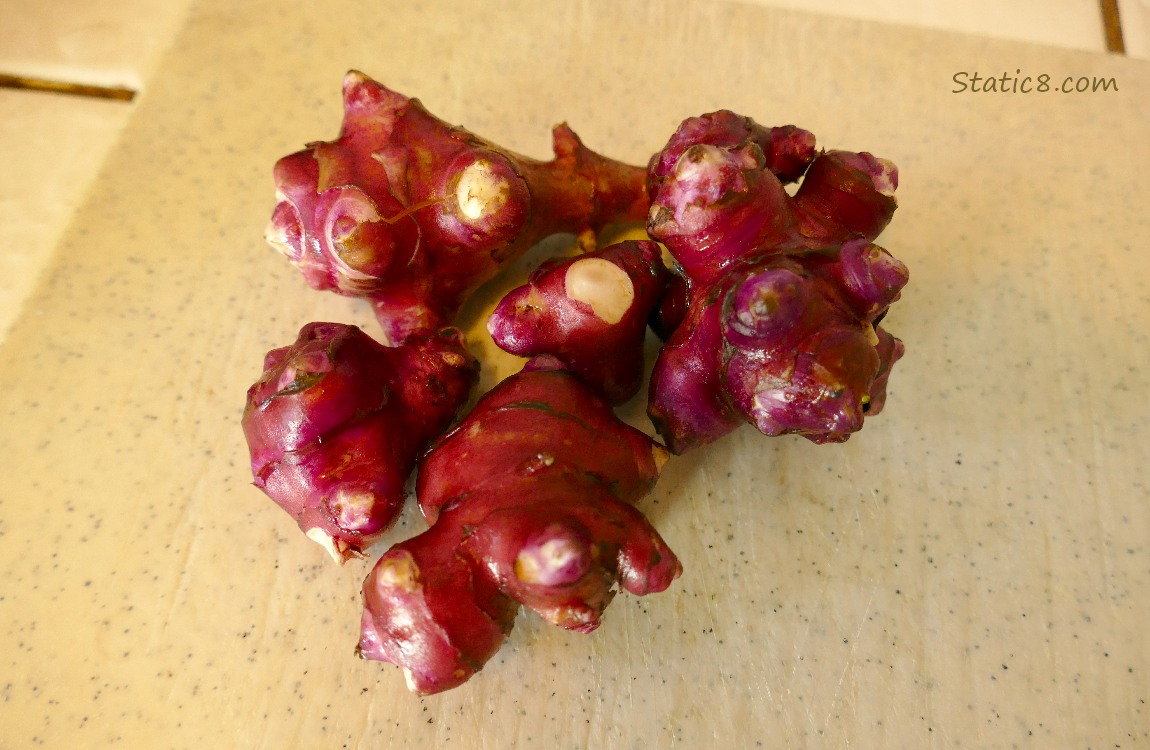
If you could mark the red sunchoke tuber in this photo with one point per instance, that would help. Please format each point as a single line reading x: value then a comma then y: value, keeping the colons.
x: 336, y: 422
x: 716, y: 199
x: 414, y: 214
x: 783, y: 294
x: 590, y: 312
x: 530, y: 499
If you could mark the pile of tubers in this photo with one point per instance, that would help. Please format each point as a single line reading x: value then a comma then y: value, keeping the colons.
x: 769, y: 310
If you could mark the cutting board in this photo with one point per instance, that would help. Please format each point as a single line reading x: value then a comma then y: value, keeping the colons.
x: 971, y: 570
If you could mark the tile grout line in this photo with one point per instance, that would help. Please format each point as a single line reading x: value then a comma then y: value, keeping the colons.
x: 27, y: 83
x: 1112, y: 25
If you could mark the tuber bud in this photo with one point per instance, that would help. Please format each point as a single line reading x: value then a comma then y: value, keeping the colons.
x: 336, y: 422
x: 414, y: 214
x: 531, y: 501
x: 589, y: 312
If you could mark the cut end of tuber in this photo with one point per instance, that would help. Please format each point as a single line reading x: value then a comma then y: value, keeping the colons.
x: 601, y: 285
x: 480, y: 191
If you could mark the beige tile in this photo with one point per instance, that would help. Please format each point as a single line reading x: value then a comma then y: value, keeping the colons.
x: 971, y: 570
x: 1135, y: 15
x: 1075, y: 24
x: 51, y: 147
x: 102, y: 42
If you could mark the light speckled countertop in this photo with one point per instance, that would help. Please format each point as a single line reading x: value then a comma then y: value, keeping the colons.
x: 53, y: 146
x: 972, y: 570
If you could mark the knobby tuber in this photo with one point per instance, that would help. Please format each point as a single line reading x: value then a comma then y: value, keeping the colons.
x: 771, y: 317
x: 777, y: 321
x: 530, y: 500
x: 336, y: 422
x: 414, y: 214
x: 589, y: 312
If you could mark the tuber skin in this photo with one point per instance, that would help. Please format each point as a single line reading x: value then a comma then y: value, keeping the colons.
x: 530, y: 500
x: 718, y: 202
x: 783, y: 346
x: 787, y: 150
x: 414, y: 214
x: 336, y: 422
x: 588, y: 312
x: 671, y: 309
x: 776, y: 319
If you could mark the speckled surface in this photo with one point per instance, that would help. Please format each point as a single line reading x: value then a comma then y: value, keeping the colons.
x: 1076, y: 24
x: 100, y: 42
x: 972, y: 570
x: 51, y: 148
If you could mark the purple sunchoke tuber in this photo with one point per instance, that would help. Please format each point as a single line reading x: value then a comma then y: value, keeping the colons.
x: 589, y: 312
x: 771, y: 317
x: 530, y: 500
x: 336, y: 422
x: 776, y: 323
x: 414, y: 214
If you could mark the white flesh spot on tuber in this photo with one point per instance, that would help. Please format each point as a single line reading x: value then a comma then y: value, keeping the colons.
x: 353, y: 509
x: 552, y: 555
x: 567, y: 615
x: 661, y: 456
x: 336, y: 549
x: 480, y: 191
x: 398, y: 572
x: 884, y: 182
x: 451, y: 359
x: 602, y: 285
x: 276, y: 235
x: 527, y: 568
x: 703, y: 159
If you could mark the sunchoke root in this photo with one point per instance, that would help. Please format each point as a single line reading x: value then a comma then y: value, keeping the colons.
x: 590, y: 312
x: 783, y: 294
x: 337, y: 421
x: 531, y: 500
x: 414, y: 214
x: 771, y: 317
